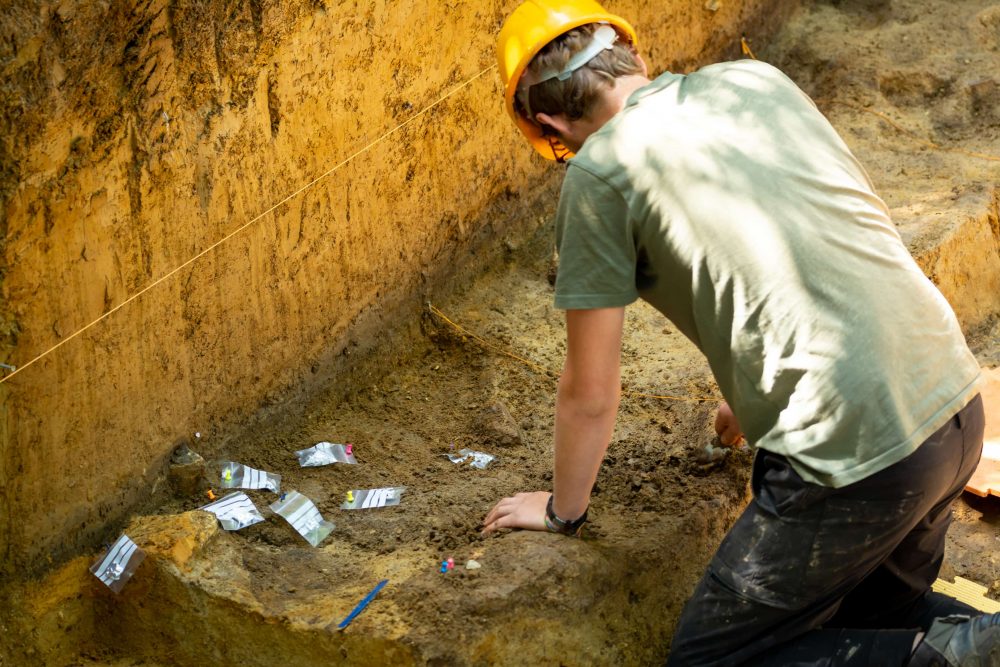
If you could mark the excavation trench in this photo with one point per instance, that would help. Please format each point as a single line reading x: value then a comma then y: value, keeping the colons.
x: 478, y: 371
x: 262, y: 595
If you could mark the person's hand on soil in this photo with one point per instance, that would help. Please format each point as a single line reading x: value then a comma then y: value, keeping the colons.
x: 727, y: 426
x: 523, y: 510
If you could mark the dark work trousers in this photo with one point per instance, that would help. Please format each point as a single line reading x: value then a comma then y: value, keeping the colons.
x: 811, y: 575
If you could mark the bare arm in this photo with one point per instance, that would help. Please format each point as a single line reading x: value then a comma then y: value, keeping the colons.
x: 586, y: 406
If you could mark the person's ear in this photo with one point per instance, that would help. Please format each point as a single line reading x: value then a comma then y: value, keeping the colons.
x: 557, y: 122
x: 642, y: 63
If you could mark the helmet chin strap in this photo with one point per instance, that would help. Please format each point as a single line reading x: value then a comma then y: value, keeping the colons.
x: 555, y: 145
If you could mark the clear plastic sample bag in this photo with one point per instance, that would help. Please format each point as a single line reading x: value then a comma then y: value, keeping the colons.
x: 116, y: 566
x: 304, y: 517
x: 325, y: 453
x: 476, y: 459
x: 235, y: 511
x: 238, y: 476
x: 365, y: 499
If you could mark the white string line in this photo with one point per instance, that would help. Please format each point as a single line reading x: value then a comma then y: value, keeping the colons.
x: 245, y: 225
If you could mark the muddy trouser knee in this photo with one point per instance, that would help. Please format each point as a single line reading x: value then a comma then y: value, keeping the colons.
x: 811, y: 575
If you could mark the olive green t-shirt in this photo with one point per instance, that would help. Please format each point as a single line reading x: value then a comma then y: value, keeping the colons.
x: 726, y: 200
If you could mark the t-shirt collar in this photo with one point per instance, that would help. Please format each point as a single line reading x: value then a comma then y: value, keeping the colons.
x: 650, y: 88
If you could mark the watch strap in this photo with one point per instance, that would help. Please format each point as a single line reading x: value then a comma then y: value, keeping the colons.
x: 562, y: 526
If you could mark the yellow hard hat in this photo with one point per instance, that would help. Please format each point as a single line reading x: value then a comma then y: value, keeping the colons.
x: 527, y: 30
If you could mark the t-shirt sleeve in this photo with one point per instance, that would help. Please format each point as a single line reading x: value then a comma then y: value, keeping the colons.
x: 597, y: 255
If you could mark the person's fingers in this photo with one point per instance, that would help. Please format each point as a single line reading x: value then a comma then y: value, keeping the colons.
x: 519, y: 511
x: 723, y: 417
x: 505, y: 521
x: 503, y: 515
x: 511, y: 501
x: 502, y: 507
x: 731, y: 435
x: 492, y: 516
x: 727, y: 426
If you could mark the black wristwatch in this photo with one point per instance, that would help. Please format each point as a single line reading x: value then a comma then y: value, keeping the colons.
x: 557, y: 525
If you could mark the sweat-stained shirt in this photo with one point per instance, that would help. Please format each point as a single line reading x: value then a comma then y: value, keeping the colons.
x: 726, y: 200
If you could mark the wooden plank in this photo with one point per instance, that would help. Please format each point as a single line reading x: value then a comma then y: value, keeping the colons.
x: 990, y: 391
x: 986, y: 480
x: 968, y: 592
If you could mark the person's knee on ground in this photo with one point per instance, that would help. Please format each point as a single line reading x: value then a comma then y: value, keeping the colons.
x: 960, y: 641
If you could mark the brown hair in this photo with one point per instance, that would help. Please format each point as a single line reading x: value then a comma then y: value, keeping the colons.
x: 575, y: 96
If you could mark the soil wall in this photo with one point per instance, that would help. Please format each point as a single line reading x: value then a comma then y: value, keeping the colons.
x: 215, y: 181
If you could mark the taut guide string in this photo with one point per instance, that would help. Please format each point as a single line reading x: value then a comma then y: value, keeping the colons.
x: 247, y: 224
x: 745, y: 48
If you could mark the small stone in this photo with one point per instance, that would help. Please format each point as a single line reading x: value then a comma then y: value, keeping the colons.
x: 711, y: 455
x: 713, y: 5
x: 472, y: 565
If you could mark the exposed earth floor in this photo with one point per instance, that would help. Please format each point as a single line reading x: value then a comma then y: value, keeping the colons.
x: 481, y: 375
